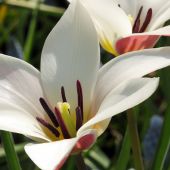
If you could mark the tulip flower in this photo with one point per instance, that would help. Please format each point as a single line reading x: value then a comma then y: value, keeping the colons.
x: 131, y: 25
x: 69, y: 103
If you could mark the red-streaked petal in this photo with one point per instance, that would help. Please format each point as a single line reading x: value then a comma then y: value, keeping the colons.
x: 134, y: 43
x: 84, y: 142
x: 52, y: 155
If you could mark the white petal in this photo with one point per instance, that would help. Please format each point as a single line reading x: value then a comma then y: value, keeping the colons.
x: 128, y: 66
x: 71, y: 53
x: 17, y: 120
x: 20, y: 91
x: 20, y: 84
x: 165, y: 31
x: 49, y: 156
x: 154, y: 4
x: 130, y: 6
x: 127, y: 95
x: 161, y: 15
x: 104, y: 14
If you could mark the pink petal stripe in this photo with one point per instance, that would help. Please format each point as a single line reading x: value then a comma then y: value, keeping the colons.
x: 134, y: 43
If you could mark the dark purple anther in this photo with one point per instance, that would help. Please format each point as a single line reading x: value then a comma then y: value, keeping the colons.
x: 80, y: 96
x: 137, y: 26
x: 79, y: 120
x: 49, y: 112
x: 63, y: 94
x: 62, y: 124
x: 48, y: 126
x: 137, y: 21
x: 147, y: 20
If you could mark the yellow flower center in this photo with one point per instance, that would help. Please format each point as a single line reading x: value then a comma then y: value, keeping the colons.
x: 60, y: 124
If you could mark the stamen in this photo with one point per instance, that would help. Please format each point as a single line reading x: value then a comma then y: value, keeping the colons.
x: 49, y: 112
x: 48, y: 126
x: 79, y: 120
x: 62, y: 124
x: 147, y: 20
x: 80, y: 96
x: 63, y: 94
x: 137, y: 21
x: 137, y: 25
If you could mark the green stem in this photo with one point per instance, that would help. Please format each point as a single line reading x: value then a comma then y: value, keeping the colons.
x: 11, y: 156
x: 80, y: 162
x: 31, y: 32
x: 133, y: 131
x: 123, y: 158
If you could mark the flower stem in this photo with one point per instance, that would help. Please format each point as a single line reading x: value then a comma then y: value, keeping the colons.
x: 133, y: 131
x: 31, y: 33
x: 11, y: 156
x: 80, y: 162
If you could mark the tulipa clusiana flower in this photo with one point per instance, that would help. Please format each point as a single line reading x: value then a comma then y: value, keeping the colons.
x: 131, y: 25
x: 69, y: 103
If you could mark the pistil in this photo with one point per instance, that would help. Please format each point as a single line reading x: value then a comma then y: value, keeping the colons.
x: 61, y: 119
x: 62, y: 124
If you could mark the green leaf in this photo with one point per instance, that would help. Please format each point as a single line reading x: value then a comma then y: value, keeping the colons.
x: 124, y: 155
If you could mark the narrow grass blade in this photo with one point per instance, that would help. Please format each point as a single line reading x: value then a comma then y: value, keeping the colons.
x: 11, y: 156
x: 124, y: 153
x: 31, y: 32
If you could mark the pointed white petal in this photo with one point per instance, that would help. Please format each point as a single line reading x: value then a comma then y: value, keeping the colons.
x: 127, y: 95
x: 52, y: 155
x: 160, y: 16
x: 20, y: 90
x: 109, y: 28
x: 128, y: 66
x: 17, y: 120
x: 70, y: 53
x: 165, y: 31
x: 155, y: 5
x: 20, y: 84
x: 130, y: 6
